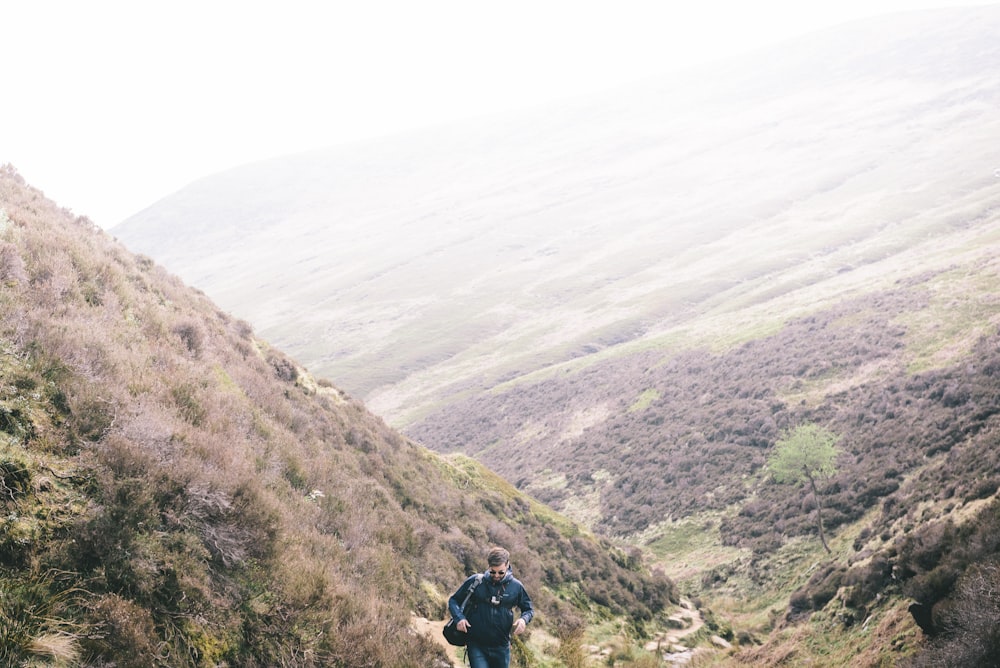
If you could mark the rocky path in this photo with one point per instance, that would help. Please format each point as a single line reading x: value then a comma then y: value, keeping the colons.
x: 670, y: 644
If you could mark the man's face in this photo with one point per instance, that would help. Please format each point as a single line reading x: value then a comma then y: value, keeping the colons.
x: 497, y: 573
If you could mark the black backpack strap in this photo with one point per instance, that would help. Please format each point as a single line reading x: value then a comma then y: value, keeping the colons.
x: 479, y: 578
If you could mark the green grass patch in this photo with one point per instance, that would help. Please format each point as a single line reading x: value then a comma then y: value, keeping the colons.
x: 645, y: 399
x: 467, y: 473
x: 963, y: 306
x: 687, y: 548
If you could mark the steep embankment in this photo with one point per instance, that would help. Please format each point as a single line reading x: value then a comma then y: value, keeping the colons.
x: 175, y: 492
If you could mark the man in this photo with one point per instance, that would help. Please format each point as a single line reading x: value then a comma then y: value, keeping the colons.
x: 489, y: 615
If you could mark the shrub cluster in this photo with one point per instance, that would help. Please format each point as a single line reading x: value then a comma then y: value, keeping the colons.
x: 950, y: 573
x: 702, y: 441
x: 709, y: 429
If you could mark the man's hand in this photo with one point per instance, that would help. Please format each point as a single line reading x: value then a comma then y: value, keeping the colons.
x: 463, y: 625
x: 519, y: 626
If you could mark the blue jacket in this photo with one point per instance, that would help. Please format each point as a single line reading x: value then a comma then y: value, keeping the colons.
x: 491, y: 624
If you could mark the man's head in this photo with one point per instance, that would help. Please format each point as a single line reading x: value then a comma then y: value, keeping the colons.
x: 499, y: 561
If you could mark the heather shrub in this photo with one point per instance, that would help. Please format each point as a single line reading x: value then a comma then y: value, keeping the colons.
x: 283, y: 367
x: 970, y: 624
x: 186, y: 398
x: 191, y: 334
x: 122, y: 632
x: 12, y: 269
x: 239, y: 526
x: 867, y: 582
x: 818, y: 591
x: 922, y: 550
x: 90, y: 415
x: 570, y: 629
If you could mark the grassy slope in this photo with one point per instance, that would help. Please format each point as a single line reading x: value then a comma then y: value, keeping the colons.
x: 176, y: 492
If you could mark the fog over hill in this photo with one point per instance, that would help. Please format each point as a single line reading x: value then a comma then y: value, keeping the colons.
x: 427, y: 267
x: 624, y: 303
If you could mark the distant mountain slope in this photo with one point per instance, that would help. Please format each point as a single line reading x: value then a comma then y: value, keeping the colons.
x: 176, y: 492
x: 657, y: 435
x: 422, y: 269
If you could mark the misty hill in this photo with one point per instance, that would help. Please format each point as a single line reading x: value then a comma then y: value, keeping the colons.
x: 177, y: 492
x: 427, y: 267
x: 622, y: 304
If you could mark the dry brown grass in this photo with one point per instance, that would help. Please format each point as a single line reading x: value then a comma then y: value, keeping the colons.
x: 57, y: 649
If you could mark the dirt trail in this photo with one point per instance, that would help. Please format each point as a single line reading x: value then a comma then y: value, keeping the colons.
x: 671, y: 641
x: 697, y: 621
x: 432, y: 629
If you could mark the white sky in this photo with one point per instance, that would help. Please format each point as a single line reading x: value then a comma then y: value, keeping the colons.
x: 109, y: 105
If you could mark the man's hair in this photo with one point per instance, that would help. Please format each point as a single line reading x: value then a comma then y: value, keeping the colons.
x: 498, y: 556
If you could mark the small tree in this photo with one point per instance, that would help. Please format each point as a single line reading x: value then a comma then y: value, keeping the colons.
x: 806, y: 454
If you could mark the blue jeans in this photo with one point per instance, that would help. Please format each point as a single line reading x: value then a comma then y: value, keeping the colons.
x: 488, y: 657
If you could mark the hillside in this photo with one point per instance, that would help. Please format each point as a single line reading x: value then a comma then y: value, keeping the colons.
x: 177, y: 492
x: 904, y: 375
x: 623, y: 304
x: 426, y: 268
x: 669, y: 450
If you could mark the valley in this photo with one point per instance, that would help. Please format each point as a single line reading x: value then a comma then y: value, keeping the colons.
x: 622, y: 303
